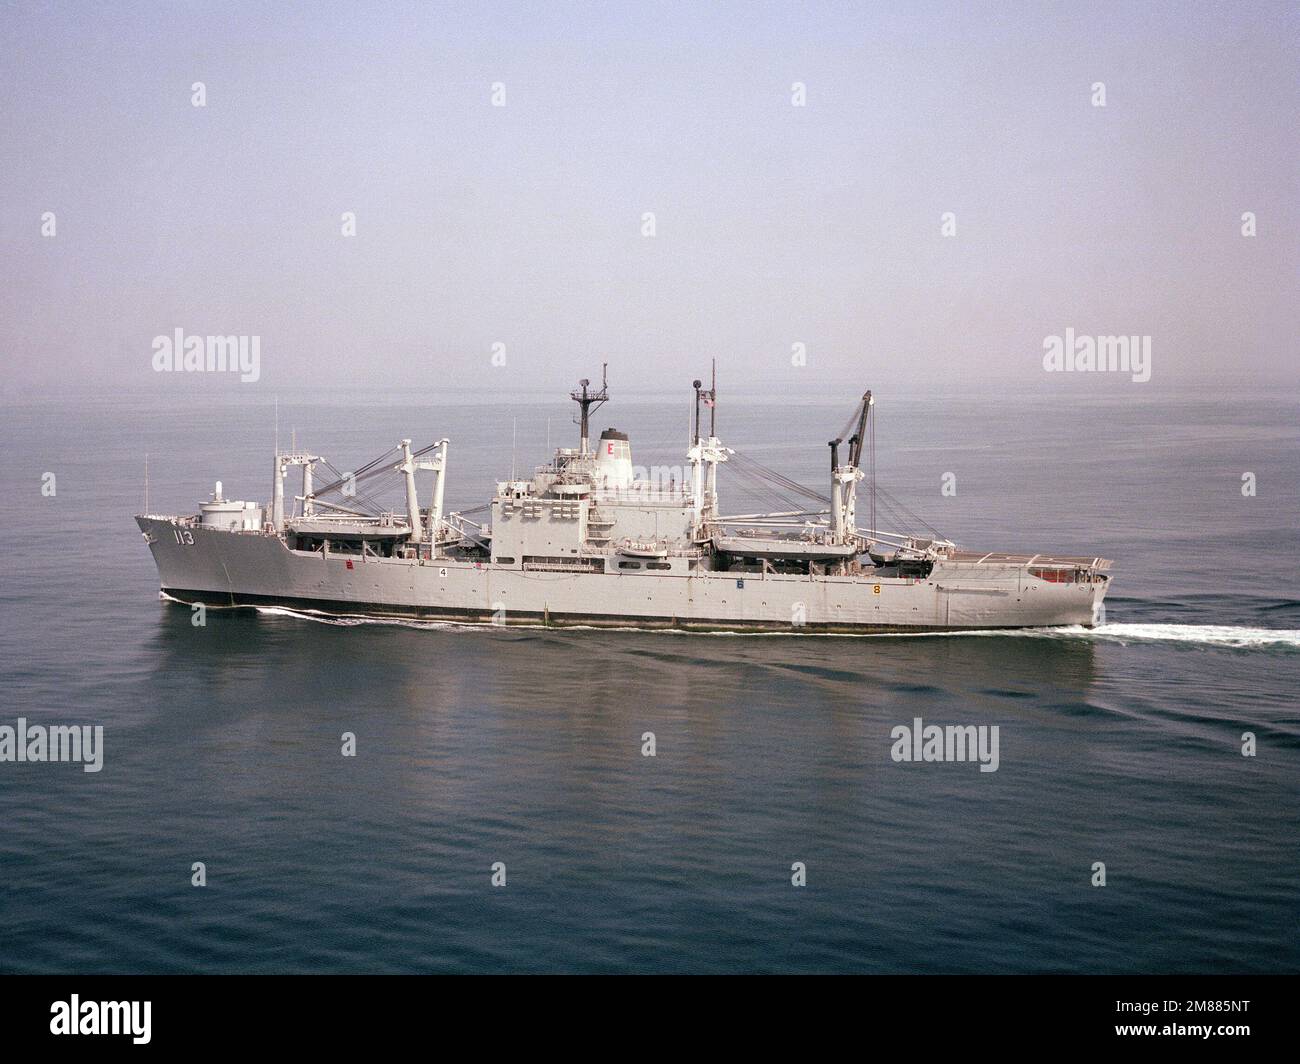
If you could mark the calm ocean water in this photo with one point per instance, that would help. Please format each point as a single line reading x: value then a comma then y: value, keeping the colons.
x: 523, y: 746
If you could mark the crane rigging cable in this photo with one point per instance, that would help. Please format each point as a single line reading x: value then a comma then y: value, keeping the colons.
x: 756, y: 468
x: 761, y: 480
x: 372, y: 469
x: 372, y: 505
x: 760, y: 487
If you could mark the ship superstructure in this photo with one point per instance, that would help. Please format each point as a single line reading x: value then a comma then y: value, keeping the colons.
x: 585, y: 541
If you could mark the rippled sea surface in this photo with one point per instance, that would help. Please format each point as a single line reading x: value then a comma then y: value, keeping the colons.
x: 1122, y: 745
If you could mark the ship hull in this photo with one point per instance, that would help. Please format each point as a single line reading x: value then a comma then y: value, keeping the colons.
x: 252, y: 569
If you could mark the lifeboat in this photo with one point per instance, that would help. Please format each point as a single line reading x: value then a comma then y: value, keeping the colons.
x: 634, y: 549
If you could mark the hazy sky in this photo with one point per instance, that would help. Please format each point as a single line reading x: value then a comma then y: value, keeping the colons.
x: 522, y: 225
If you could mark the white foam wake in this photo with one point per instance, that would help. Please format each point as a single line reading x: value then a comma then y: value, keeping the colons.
x: 1204, y: 634
x: 352, y: 622
x: 1210, y: 634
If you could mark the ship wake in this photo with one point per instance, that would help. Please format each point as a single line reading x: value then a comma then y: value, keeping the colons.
x: 1204, y: 634
x: 352, y: 622
x: 1233, y: 636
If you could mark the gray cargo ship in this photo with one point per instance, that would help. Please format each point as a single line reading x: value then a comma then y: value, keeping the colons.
x: 587, y: 542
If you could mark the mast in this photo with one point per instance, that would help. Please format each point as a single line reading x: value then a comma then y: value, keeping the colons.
x: 709, y: 397
x: 713, y: 401
x: 837, y: 491
x: 410, y: 464
x: 588, y: 401
x: 696, y: 456
x: 705, y: 454
x: 696, y: 434
x: 307, y: 488
x: 435, y: 514
x: 277, y: 492
x: 412, y: 502
x: 277, y: 478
